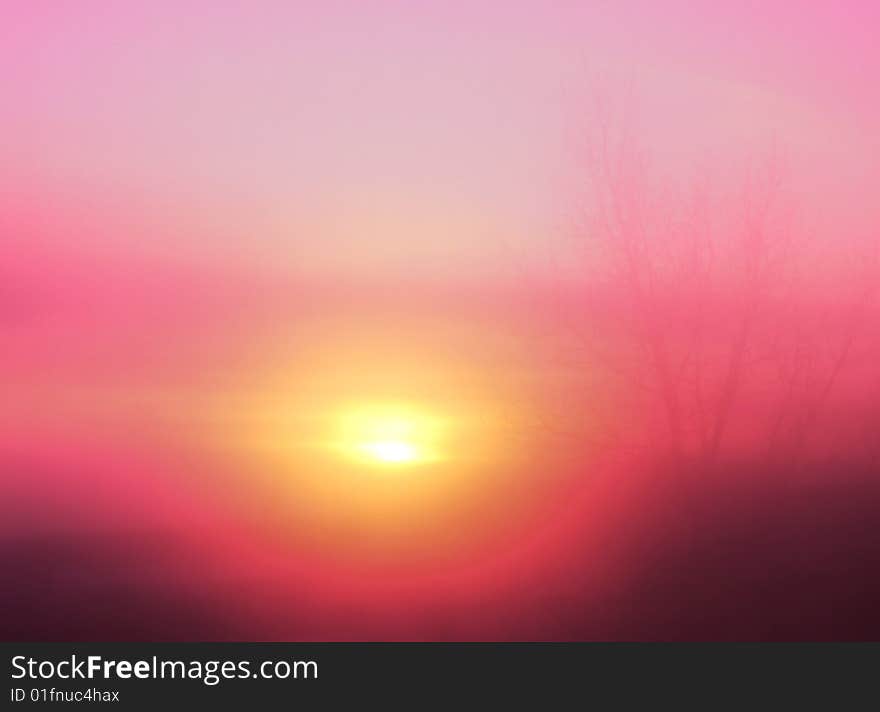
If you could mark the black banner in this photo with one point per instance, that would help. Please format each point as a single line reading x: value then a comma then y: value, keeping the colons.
x: 181, y: 675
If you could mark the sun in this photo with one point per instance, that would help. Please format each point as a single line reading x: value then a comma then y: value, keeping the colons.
x: 392, y: 451
x: 386, y: 435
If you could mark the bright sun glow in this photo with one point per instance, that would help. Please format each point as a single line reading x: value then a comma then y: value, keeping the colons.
x: 392, y: 436
x: 392, y: 451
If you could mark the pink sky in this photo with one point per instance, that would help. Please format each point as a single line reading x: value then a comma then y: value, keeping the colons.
x: 224, y: 223
x: 390, y: 137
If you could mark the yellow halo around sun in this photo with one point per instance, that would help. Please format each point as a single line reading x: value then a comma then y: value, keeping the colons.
x: 390, y: 435
x: 391, y: 451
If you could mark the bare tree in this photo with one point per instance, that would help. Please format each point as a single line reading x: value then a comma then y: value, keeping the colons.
x: 704, y: 282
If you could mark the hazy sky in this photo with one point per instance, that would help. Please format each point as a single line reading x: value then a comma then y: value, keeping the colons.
x: 279, y: 278
x: 387, y: 138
